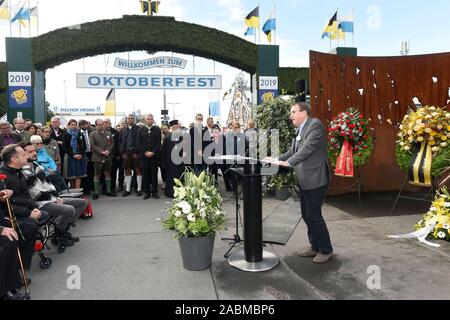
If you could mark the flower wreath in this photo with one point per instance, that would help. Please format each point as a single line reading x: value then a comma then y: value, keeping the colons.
x: 428, y: 124
x: 349, y: 141
x: 438, y: 217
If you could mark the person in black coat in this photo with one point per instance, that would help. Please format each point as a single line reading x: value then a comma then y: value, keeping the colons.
x: 9, y: 271
x: 149, y: 143
x: 173, y: 144
x: 57, y: 134
x: 197, y: 134
x: 218, y: 148
x: 25, y: 209
x: 117, y: 159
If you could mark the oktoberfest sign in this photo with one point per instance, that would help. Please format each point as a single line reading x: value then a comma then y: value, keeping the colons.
x: 157, y: 62
x: 125, y: 81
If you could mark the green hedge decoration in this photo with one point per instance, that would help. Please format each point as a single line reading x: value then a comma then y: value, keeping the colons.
x: 287, y: 77
x: 150, y: 33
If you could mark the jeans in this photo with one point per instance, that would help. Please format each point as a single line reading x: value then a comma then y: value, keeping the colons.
x: 311, y: 206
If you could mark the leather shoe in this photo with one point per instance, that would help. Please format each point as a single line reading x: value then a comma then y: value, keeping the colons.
x: 156, y: 196
x: 146, y: 196
x: 307, y: 252
x: 139, y: 194
x: 322, y: 258
x: 111, y: 194
x: 126, y: 193
x: 95, y: 197
x: 13, y: 295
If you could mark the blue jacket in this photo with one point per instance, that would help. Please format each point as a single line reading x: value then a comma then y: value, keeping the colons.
x: 45, y: 160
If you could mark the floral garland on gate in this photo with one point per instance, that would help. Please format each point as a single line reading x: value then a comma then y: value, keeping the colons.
x: 428, y: 124
x: 349, y: 141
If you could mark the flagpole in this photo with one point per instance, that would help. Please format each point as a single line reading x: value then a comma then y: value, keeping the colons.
x: 10, y: 18
x: 275, y: 31
x: 259, y: 27
x: 353, y: 33
x: 29, y: 20
x: 37, y: 17
x: 337, y: 26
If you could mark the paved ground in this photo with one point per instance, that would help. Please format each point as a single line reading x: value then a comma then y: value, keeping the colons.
x: 124, y: 254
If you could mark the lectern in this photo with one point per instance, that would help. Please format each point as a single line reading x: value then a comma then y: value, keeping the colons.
x: 253, y: 258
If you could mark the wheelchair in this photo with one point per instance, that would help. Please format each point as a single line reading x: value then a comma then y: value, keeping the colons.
x: 46, y: 232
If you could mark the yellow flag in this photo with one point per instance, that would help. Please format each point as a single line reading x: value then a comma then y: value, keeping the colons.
x: 339, y: 34
x: 4, y: 10
x: 110, y: 105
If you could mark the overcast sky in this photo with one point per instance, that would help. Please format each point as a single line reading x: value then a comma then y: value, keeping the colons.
x: 380, y: 26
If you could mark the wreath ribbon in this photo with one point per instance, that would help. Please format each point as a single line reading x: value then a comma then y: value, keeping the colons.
x: 344, y: 163
x: 420, y: 167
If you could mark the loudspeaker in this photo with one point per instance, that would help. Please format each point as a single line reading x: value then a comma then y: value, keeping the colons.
x: 301, y: 90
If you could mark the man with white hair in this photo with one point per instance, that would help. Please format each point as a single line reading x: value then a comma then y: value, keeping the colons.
x: 102, y: 145
x: 19, y: 125
x: 43, y: 158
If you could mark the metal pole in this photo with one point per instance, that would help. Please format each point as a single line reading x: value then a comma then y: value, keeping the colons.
x: 259, y: 27
x: 10, y: 18
x: 275, y: 31
x: 37, y: 17
x: 29, y: 19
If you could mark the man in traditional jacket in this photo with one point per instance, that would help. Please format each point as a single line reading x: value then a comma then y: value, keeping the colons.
x: 102, y: 146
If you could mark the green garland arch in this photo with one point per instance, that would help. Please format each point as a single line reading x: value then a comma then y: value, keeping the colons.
x: 142, y: 33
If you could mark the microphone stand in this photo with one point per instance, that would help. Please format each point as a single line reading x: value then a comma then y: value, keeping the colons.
x: 236, y: 237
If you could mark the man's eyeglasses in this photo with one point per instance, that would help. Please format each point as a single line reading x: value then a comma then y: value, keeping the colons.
x: 39, y: 143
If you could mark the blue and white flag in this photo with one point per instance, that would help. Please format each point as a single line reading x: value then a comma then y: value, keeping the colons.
x: 250, y: 32
x: 346, y: 23
x: 269, y: 26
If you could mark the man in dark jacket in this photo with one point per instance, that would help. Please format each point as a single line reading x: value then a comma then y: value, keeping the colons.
x: 173, y: 156
x: 57, y: 134
x: 198, y: 145
x: 9, y: 271
x: 24, y: 208
x: 149, y: 142
x: 117, y: 159
x: 129, y: 150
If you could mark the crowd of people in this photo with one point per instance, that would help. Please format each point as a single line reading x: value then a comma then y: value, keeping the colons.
x: 40, y: 162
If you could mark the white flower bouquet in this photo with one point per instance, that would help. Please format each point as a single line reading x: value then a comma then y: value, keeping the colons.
x: 196, y: 209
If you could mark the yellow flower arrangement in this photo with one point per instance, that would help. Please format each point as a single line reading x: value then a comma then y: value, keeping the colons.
x: 438, y: 216
x: 428, y: 123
